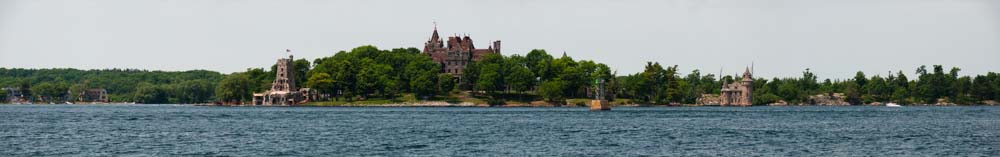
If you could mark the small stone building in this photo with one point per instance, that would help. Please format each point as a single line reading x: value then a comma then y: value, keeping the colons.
x: 738, y: 93
x: 283, y: 90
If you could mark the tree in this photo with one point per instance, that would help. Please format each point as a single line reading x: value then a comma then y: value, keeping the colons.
x: 151, y: 94
x: 552, y: 90
x: 194, y: 91
x: 853, y: 93
x: 877, y: 89
x: 51, y: 92
x: 982, y: 88
x: 491, y: 70
x: 423, y: 84
x: 536, y: 61
x: 859, y: 79
x: 490, y: 79
x: 520, y: 79
x: 301, y: 67
x: 234, y: 88
x: 375, y: 78
x: 322, y: 82
x: 422, y: 75
x: 446, y: 83
x: 3, y: 93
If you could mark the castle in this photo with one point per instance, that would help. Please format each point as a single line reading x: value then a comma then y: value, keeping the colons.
x: 457, y: 54
x: 283, y: 90
x: 738, y: 93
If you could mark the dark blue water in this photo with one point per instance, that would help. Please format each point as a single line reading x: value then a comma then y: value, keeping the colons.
x: 166, y: 130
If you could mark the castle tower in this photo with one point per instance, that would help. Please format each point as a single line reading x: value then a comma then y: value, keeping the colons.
x: 746, y: 88
x: 434, y: 42
x: 284, y: 79
x: 496, y: 46
x: 738, y: 93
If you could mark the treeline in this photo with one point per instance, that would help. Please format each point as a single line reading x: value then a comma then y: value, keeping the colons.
x: 367, y: 72
x: 535, y: 74
x: 122, y: 85
x: 362, y: 73
x: 664, y: 86
x: 929, y: 87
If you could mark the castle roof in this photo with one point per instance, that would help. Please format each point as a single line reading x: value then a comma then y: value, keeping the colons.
x: 435, y: 36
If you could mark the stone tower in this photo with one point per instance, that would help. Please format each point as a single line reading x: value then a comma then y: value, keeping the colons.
x: 746, y: 88
x: 738, y: 93
x: 283, y: 90
x: 284, y: 79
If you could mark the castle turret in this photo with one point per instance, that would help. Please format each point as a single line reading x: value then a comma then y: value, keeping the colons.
x: 496, y: 46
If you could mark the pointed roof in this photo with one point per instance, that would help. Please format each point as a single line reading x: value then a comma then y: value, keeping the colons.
x: 747, y: 75
x: 435, y: 37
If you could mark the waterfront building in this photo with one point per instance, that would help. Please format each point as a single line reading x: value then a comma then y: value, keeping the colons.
x: 738, y: 93
x: 283, y: 90
x: 15, y: 96
x: 93, y: 95
x: 457, y: 54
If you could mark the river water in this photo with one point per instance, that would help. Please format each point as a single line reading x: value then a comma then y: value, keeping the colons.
x: 169, y: 130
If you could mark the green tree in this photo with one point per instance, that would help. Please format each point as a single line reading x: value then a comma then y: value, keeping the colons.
x: 51, y: 92
x: 423, y: 85
x: 194, y: 91
x: 520, y: 79
x: 859, y: 79
x: 490, y: 80
x: 234, y: 88
x: 552, y: 91
x: 151, y: 94
x: 983, y: 88
x: 537, y: 61
x: 3, y: 96
x: 375, y: 78
x: 301, y: 67
x: 446, y: 83
x: 852, y: 91
x: 322, y: 82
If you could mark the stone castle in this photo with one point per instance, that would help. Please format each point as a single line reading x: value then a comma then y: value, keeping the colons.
x: 283, y: 90
x: 457, y: 54
x: 738, y: 93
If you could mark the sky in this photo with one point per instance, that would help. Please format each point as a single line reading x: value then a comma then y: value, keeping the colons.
x: 781, y: 38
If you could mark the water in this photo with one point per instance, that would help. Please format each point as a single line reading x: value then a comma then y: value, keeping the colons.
x: 168, y: 130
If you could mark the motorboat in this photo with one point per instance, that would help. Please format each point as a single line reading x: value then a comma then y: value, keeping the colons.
x: 892, y: 105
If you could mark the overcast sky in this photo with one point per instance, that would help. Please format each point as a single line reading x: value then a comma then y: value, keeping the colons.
x: 834, y: 38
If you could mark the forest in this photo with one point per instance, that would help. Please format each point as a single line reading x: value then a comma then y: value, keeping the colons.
x: 367, y: 72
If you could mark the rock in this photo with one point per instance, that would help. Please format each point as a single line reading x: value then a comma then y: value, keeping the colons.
x: 709, y: 99
x: 779, y: 103
x: 944, y: 102
x: 835, y: 99
x: 876, y: 104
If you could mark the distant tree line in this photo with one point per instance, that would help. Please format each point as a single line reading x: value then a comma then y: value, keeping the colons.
x: 367, y: 72
x: 929, y: 87
x: 122, y: 85
x: 662, y: 86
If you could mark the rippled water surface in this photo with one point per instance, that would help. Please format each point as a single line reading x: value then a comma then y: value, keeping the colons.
x: 165, y: 130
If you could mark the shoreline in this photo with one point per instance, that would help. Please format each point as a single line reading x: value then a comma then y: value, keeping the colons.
x: 470, y: 104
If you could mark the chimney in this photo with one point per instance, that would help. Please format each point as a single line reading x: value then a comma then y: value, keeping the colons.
x: 496, y: 46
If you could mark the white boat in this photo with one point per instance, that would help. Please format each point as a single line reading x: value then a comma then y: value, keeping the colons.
x: 892, y: 105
